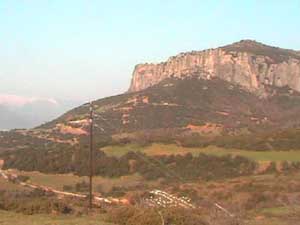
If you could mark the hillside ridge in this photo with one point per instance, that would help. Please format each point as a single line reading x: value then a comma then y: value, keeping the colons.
x: 173, y: 109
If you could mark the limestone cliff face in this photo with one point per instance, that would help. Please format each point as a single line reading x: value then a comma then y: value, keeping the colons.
x: 248, y: 63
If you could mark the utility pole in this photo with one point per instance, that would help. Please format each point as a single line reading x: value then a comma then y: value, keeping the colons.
x: 91, y: 166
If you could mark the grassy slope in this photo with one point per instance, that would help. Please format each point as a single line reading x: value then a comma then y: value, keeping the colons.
x: 158, y: 149
x: 11, y: 218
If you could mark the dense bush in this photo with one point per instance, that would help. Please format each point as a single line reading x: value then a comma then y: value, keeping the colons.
x: 68, y: 188
x: 261, y: 200
x: 82, y: 187
x: 23, y: 178
x: 272, y: 168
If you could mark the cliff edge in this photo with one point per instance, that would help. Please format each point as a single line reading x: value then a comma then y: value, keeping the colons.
x: 248, y: 63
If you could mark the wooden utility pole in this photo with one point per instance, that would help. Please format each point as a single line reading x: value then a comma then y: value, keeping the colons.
x: 91, y: 160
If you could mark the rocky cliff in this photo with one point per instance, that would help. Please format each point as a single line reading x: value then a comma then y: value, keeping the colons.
x: 251, y: 64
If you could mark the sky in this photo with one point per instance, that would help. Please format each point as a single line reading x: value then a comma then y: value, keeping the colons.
x: 87, y: 49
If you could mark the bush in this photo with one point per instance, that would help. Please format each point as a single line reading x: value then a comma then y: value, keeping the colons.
x: 272, y: 168
x: 68, y: 188
x: 23, y: 178
x: 261, y: 199
x: 82, y: 187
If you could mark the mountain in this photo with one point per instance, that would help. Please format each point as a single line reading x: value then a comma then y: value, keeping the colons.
x: 248, y: 63
x: 31, y: 113
x: 172, y: 110
x: 10, y: 119
x: 213, y: 97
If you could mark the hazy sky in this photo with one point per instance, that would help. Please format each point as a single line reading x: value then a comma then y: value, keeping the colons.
x: 87, y: 49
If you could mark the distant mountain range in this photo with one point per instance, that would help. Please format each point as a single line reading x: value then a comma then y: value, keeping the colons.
x: 32, y: 113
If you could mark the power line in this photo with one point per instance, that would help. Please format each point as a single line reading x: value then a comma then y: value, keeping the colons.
x: 91, y: 166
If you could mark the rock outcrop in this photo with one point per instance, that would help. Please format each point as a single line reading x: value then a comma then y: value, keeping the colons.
x: 248, y: 63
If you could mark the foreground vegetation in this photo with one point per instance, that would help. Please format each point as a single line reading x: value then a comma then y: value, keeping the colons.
x: 187, y: 167
x: 257, y: 187
x: 264, y: 199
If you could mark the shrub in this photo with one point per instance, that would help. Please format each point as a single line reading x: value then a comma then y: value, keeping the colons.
x: 82, y: 187
x: 68, y: 188
x: 271, y: 168
x: 23, y: 178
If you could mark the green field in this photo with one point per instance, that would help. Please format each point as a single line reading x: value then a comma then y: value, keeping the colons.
x: 119, y: 150
x: 162, y: 149
x: 11, y: 218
